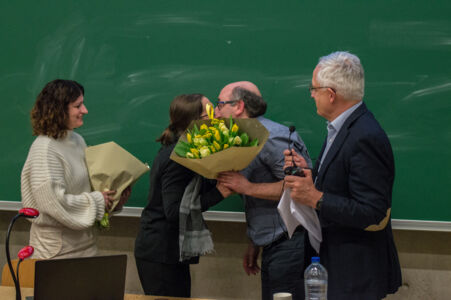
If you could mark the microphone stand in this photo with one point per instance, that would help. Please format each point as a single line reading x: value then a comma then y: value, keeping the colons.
x: 8, y: 257
x: 24, y: 212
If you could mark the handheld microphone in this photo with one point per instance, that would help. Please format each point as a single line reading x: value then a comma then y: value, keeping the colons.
x: 293, y: 170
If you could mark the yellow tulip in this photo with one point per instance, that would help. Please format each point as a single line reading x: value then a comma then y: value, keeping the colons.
x: 189, y: 138
x: 200, y: 141
x: 210, y: 111
x: 217, y: 146
x: 203, y: 126
x: 226, y: 146
x: 225, y: 132
x: 204, y: 151
x: 235, y: 128
x: 217, y: 135
x: 195, y: 152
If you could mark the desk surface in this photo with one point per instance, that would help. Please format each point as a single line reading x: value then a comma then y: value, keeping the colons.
x: 9, y: 293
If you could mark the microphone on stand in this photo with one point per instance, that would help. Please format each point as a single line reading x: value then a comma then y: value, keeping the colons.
x: 29, y: 212
x: 24, y: 253
x: 23, y: 212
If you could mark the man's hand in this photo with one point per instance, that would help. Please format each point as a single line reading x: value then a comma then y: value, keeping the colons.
x: 294, y: 156
x: 234, y: 181
x: 250, y: 264
x: 302, y: 189
x: 124, y: 198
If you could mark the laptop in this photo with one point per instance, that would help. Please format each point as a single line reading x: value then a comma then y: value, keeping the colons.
x: 90, y: 278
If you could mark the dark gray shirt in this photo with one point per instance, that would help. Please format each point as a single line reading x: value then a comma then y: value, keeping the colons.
x: 264, y: 224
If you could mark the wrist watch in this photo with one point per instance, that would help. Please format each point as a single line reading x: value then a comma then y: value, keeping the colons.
x: 319, y: 203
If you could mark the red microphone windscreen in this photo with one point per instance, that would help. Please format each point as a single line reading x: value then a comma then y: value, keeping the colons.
x: 29, y: 212
x: 25, y: 252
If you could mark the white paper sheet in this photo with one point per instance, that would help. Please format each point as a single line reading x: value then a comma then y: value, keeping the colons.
x: 294, y: 214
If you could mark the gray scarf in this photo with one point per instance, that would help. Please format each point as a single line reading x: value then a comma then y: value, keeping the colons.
x: 194, y: 236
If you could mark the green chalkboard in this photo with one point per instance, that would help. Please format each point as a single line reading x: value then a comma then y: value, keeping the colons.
x: 133, y: 57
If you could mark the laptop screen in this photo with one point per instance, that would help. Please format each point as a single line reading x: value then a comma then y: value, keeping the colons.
x: 98, y: 277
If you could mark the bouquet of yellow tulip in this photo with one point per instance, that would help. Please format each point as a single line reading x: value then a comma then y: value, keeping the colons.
x: 216, y: 145
x: 207, y: 140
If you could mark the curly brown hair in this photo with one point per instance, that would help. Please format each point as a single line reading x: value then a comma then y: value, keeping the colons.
x: 49, y: 115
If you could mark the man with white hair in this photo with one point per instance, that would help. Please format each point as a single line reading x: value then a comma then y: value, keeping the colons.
x: 351, y: 186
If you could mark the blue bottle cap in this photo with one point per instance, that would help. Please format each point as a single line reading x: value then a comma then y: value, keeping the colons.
x: 315, y: 259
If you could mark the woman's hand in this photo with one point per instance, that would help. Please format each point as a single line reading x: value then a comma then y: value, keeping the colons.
x: 108, y: 197
x: 225, y: 192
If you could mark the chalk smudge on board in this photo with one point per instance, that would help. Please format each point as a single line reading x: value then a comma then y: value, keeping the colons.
x: 389, y: 83
x: 54, y: 46
x: 170, y: 19
x: 429, y: 91
x: 235, y: 25
x: 76, y: 54
x: 411, y: 34
x: 93, y: 131
x: 137, y: 101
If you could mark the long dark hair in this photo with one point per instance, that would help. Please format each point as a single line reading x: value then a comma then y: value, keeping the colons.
x: 183, y: 109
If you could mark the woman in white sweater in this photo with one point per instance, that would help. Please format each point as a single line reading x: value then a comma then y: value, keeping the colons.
x: 55, y: 178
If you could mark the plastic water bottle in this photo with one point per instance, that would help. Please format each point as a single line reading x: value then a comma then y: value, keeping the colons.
x: 315, y: 280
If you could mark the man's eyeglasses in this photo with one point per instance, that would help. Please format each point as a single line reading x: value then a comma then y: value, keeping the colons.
x: 314, y: 88
x: 220, y: 104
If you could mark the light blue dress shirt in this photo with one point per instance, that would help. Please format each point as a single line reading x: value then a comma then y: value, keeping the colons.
x: 264, y: 224
x: 334, y: 127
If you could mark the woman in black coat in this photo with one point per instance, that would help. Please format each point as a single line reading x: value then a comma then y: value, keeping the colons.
x: 157, y: 244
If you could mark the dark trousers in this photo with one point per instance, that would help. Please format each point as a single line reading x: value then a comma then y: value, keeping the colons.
x: 171, y: 280
x: 283, y: 266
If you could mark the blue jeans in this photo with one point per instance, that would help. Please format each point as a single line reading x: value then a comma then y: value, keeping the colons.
x: 283, y: 266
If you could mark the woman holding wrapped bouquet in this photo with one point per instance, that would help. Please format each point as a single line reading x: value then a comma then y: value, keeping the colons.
x: 55, y: 177
x: 157, y: 250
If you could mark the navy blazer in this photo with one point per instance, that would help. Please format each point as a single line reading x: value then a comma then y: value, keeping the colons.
x: 356, y: 177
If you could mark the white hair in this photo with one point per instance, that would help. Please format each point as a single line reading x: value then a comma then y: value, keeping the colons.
x: 343, y: 72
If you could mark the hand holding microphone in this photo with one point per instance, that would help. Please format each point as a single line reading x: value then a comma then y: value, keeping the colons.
x: 292, y: 169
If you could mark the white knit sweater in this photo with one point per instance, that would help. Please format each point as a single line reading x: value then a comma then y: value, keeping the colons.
x: 55, y: 181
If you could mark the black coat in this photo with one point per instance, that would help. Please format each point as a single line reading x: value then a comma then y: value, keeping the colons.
x: 158, y: 237
x: 357, y: 178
